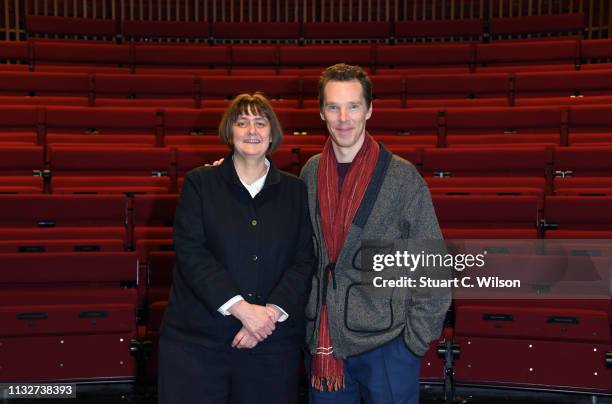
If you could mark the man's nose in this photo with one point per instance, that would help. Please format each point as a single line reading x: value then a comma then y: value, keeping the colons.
x: 343, y: 114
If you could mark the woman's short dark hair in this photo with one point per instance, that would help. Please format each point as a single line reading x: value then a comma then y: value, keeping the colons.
x: 253, y: 104
x: 344, y: 72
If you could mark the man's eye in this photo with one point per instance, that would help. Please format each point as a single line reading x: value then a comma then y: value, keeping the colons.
x: 354, y: 106
x: 332, y: 107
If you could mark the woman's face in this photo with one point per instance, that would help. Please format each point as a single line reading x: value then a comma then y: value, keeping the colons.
x: 251, y: 135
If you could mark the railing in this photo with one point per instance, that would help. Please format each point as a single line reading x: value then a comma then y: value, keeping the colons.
x: 598, y: 13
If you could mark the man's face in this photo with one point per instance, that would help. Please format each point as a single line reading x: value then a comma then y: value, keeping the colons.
x: 345, y: 112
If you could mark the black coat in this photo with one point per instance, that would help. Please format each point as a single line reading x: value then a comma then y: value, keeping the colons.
x: 228, y: 243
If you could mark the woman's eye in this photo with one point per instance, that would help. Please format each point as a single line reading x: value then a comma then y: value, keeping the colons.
x: 261, y: 124
x: 241, y: 124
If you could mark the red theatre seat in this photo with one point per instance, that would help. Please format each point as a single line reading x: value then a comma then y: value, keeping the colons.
x: 437, y: 90
x: 254, y: 59
x: 153, y: 216
x: 109, y: 170
x: 583, y: 171
x: 416, y: 127
x: 540, y: 24
x: 81, y: 57
x: 563, y: 88
x: 460, y: 29
x: 37, y: 88
x: 423, y: 58
x: 487, y: 216
x: 191, y: 126
x: 97, y: 27
x: 166, y: 29
x: 598, y: 52
x: 346, y: 30
x: 503, y: 126
x: 492, y: 171
x: 104, y: 125
x: 19, y: 124
x: 180, y: 59
x: 590, y: 125
x: 58, y: 306
x: 575, y: 217
x: 313, y: 59
x: 525, y: 56
x: 62, y: 217
x: 21, y: 169
x: 145, y: 90
x: 281, y: 31
x: 283, y: 91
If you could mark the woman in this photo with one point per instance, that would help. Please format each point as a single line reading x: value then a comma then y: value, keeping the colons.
x: 234, y: 325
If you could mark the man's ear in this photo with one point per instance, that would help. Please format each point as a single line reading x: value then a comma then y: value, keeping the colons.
x: 321, y: 115
x: 369, y: 114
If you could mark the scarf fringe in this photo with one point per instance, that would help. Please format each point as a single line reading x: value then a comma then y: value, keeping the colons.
x: 333, y: 383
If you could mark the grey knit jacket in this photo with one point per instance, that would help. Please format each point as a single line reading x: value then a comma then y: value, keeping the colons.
x: 397, y: 205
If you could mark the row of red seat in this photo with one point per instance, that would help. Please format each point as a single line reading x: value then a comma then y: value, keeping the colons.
x: 42, y: 229
x: 83, y: 219
x: 535, y: 170
x: 305, y: 60
x: 389, y: 91
x: 415, y: 127
x: 308, y: 31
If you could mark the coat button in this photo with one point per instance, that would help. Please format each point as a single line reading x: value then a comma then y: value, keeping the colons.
x: 254, y: 258
x: 253, y: 222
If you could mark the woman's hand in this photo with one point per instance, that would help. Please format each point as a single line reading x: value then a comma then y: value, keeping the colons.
x: 244, y: 339
x: 254, y: 318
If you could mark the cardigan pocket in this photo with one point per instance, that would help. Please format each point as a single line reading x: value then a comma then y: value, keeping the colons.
x: 313, y: 304
x: 368, y: 309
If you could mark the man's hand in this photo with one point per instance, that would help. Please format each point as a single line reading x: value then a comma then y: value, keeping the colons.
x: 215, y: 163
x: 254, y: 318
x: 244, y: 339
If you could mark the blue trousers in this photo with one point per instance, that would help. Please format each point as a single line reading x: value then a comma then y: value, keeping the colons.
x: 386, y: 375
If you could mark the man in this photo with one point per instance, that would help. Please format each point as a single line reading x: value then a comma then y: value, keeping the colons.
x: 364, y: 347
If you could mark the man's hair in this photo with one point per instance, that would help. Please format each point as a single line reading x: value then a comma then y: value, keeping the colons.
x: 253, y: 104
x: 344, y: 72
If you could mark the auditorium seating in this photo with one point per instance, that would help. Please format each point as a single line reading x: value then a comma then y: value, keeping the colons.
x: 590, y: 125
x: 146, y: 90
x: 414, y: 59
x: 457, y: 90
x: 106, y: 170
x: 126, y: 126
x: 512, y: 137
x: 20, y: 125
x: 531, y: 26
x: 487, y: 216
x: 21, y: 169
x: 507, y: 126
x: 574, y: 217
x: 72, y: 311
x: 148, y: 30
x: 583, y: 171
x: 80, y: 57
x: 256, y: 31
x: 282, y: 91
x: 63, y: 217
x: 563, y: 88
x: 488, y: 171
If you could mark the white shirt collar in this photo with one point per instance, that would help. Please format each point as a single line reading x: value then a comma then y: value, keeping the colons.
x: 258, y: 184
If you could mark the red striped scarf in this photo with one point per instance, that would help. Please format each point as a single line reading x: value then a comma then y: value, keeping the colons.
x: 337, y: 213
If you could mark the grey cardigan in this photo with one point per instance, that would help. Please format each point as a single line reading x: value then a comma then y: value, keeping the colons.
x: 397, y: 205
